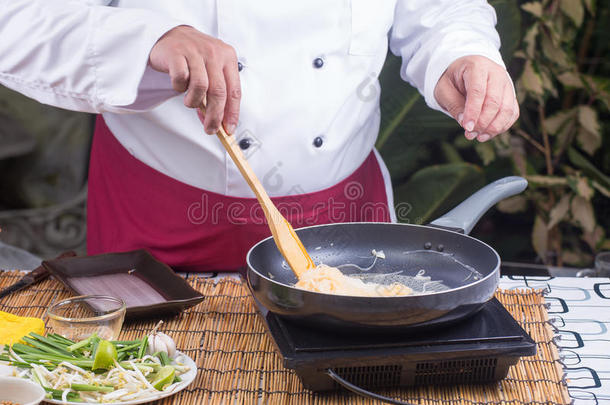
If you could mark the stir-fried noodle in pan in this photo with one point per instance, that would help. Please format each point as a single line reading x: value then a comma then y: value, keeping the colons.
x: 330, y: 280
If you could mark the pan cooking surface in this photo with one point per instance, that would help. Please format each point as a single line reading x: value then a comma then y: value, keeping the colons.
x: 415, y: 278
x: 423, y: 270
x: 419, y: 268
x: 406, y: 247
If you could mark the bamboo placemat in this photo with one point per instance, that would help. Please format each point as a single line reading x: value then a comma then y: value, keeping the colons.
x: 237, y: 363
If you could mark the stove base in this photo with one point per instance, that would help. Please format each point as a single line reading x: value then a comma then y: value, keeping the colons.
x: 479, y: 349
x: 405, y: 372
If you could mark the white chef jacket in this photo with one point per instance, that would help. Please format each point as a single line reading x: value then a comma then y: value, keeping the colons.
x: 309, y: 70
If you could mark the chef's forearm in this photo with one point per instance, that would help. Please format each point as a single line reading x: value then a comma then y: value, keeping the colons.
x: 430, y: 35
x: 80, y: 57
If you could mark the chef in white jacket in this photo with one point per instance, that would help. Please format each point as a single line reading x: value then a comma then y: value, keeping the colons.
x: 282, y: 77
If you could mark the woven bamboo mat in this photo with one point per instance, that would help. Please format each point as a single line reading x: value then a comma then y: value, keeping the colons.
x: 238, y: 365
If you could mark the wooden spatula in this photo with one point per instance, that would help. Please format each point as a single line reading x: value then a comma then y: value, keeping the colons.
x: 287, y: 241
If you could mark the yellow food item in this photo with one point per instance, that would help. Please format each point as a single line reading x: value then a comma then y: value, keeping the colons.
x: 13, y: 327
x: 330, y: 280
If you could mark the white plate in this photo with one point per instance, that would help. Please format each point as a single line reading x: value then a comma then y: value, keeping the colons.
x: 187, y: 378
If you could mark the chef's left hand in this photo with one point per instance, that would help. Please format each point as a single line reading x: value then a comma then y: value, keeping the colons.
x: 479, y: 94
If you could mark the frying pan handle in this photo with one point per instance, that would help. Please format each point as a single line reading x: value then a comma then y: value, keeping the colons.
x: 465, y: 216
x: 361, y: 391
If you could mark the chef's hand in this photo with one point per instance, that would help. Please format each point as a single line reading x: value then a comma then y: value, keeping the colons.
x: 478, y: 93
x: 204, y: 67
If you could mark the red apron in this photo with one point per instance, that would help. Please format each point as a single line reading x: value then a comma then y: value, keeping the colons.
x: 133, y: 206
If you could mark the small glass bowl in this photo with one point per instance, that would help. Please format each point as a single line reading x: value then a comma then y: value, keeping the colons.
x: 77, y: 318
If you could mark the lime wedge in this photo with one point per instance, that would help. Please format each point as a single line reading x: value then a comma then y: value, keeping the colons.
x: 164, y: 377
x: 105, y: 355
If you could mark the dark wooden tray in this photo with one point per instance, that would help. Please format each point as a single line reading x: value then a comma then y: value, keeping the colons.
x: 149, y: 287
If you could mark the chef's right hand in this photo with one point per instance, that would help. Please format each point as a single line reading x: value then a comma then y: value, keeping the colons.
x: 204, y: 67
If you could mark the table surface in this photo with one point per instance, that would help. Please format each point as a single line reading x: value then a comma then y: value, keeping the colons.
x: 579, y: 309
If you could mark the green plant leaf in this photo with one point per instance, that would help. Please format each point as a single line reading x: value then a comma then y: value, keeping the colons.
x: 396, y: 115
x: 486, y: 152
x: 403, y: 158
x: 530, y: 43
x: 589, y: 135
x: 587, y: 117
x: 540, y: 237
x: 546, y: 181
x: 534, y: 8
x: 547, y: 82
x: 573, y: 9
x: 582, y: 213
x: 600, y: 86
x: 590, y: 4
x: 559, y: 211
x: 397, y: 98
x: 531, y: 79
x: 512, y: 205
x: 571, y: 80
x: 519, y: 158
x: 451, y: 153
x: 595, y: 238
x: 588, y: 168
x: 553, y: 52
x: 434, y: 190
x: 557, y: 28
x: 580, y: 185
x: 554, y: 123
x: 603, y: 190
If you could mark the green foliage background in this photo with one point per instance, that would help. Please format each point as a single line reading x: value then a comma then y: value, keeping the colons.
x: 556, y: 51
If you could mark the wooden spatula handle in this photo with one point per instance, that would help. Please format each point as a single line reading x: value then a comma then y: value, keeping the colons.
x: 232, y: 146
x: 285, y: 238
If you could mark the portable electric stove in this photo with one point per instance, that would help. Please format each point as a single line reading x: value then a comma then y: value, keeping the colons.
x: 478, y: 349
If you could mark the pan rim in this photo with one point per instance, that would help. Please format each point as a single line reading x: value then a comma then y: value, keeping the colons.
x: 451, y: 290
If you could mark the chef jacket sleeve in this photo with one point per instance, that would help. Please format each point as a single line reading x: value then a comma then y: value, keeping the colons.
x: 430, y: 34
x: 81, y: 55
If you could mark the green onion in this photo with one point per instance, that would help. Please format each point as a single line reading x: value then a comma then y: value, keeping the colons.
x: 89, y: 387
x: 50, y: 340
x: 130, y: 347
x: 163, y: 357
x: 56, y: 394
x: 143, y: 346
x: 60, y: 338
x: 82, y: 343
x: 46, y: 347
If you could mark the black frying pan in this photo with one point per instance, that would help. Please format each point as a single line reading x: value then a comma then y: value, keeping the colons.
x: 440, y: 249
